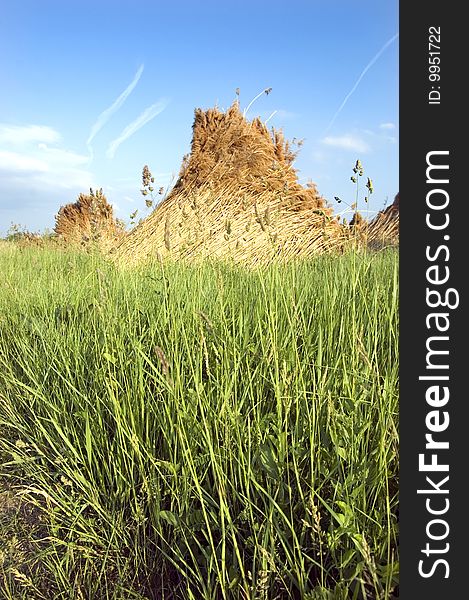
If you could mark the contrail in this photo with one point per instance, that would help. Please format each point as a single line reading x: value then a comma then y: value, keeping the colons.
x: 362, y: 74
x: 147, y: 115
x: 107, y: 114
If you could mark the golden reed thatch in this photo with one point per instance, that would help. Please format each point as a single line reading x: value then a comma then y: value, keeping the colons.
x: 383, y: 230
x: 89, y: 219
x: 237, y: 196
x: 229, y: 151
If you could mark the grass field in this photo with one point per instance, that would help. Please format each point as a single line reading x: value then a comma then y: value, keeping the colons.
x: 198, y: 431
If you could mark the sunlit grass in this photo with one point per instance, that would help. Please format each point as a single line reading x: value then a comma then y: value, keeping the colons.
x: 201, y: 431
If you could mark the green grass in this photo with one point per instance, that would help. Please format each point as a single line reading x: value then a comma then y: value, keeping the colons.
x: 198, y: 431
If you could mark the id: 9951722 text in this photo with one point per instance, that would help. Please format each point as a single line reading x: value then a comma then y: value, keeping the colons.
x: 434, y: 59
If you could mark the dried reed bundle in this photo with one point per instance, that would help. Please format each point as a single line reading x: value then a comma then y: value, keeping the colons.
x: 89, y: 219
x: 250, y: 228
x: 383, y: 230
x: 229, y: 150
x: 237, y: 196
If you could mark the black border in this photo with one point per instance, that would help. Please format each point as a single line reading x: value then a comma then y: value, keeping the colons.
x: 425, y: 128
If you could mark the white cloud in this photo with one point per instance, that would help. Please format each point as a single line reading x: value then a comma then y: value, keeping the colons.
x: 58, y: 156
x: 387, y: 126
x: 13, y: 162
x: 319, y: 156
x: 347, y: 142
x: 76, y: 179
x: 29, y: 167
x: 24, y: 134
x: 104, y: 117
x: 145, y: 117
x: 362, y: 74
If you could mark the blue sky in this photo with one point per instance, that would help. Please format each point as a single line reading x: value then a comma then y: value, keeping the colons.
x: 92, y: 91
